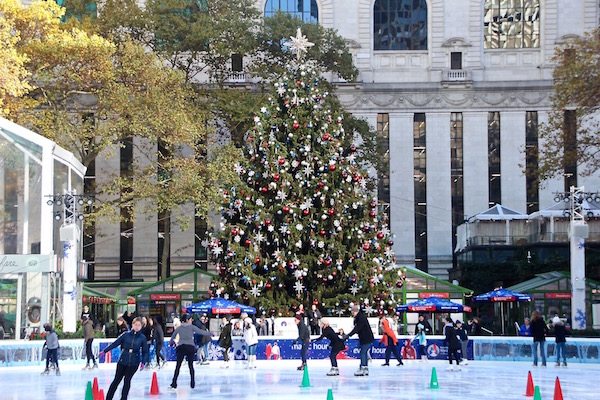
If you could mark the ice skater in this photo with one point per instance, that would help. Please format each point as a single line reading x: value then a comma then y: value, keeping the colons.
x: 132, y: 344
x: 159, y: 341
x: 365, y: 338
x: 88, y: 337
x: 461, y: 331
x: 303, y: 338
x: 336, y: 345
x: 539, y: 330
x: 560, y: 333
x: 390, y: 341
x: 451, y: 340
x: 422, y: 338
x: 225, y: 341
x: 52, y: 346
x: 251, y: 339
x: 185, y: 347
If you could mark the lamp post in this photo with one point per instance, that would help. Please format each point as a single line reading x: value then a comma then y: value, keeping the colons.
x: 70, y: 207
x: 578, y: 232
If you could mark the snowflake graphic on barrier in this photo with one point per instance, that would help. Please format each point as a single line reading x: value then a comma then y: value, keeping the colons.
x: 580, y: 318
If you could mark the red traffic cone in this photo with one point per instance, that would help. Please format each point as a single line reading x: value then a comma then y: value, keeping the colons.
x: 100, y: 394
x: 95, y: 388
x: 557, y: 390
x: 154, y: 386
x: 529, y: 392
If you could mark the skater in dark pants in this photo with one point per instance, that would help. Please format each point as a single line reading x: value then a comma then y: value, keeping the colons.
x: 186, y: 347
x: 52, y: 345
x: 225, y: 341
x: 159, y: 339
x: 451, y: 340
x: 335, y: 342
x: 365, y: 338
x: 303, y: 338
x: 132, y: 343
x: 390, y: 341
x: 88, y: 337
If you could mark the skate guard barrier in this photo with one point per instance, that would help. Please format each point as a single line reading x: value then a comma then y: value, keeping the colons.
x: 498, y: 348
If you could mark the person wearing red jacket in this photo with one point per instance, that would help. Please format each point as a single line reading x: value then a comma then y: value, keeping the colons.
x: 391, y: 343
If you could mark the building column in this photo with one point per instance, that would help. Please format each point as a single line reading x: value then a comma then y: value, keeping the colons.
x: 512, y: 160
x: 439, y: 196
x: 402, y: 219
x: 475, y: 162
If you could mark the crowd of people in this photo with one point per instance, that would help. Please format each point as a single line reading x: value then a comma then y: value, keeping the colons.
x: 141, y: 337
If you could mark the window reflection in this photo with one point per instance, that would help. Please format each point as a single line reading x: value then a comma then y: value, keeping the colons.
x: 306, y: 10
x: 511, y: 24
x: 400, y: 25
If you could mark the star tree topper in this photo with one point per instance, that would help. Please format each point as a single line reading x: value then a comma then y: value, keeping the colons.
x: 299, y: 44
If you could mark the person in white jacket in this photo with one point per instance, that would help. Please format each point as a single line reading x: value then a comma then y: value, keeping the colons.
x: 251, y: 339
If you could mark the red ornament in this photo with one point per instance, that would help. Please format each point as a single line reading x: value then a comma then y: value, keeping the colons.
x: 264, y: 189
x: 322, y: 232
x: 305, y: 212
x: 331, y: 211
x: 281, y: 161
x: 257, y: 260
x: 366, y: 247
x: 267, y: 222
x: 248, y: 242
x: 286, y: 209
x: 321, y: 184
x: 326, y: 137
x: 234, y: 232
x: 268, y: 285
x: 332, y: 167
x: 296, y: 125
x: 379, y: 235
x: 372, y: 214
x: 352, y: 148
x: 373, y: 204
x: 327, y: 262
x: 276, y: 177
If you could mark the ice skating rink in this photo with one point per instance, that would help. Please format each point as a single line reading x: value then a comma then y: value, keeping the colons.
x: 281, y: 380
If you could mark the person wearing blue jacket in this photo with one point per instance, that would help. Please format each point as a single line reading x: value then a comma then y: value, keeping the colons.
x: 132, y: 343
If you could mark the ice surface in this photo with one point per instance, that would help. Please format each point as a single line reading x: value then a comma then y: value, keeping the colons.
x: 279, y: 379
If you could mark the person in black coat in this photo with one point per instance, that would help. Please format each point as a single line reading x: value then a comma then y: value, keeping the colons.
x: 159, y: 340
x: 225, y: 340
x: 203, y: 342
x: 303, y: 337
x: 132, y: 343
x: 335, y: 343
x: 426, y: 326
x: 539, y: 330
x: 451, y: 340
x: 365, y: 338
x: 560, y: 334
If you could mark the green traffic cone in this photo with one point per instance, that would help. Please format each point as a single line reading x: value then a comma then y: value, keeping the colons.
x: 536, y: 395
x: 305, y: 380
x: 89, y: 392
x: 434, y: 382
x: 329, y: 394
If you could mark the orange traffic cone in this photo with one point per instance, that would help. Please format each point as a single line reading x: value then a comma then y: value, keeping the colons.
x: 95, y: 388
x: 154, y: 386
x: 100, y: 394
x: 529, y: 392
x: 557, y: 390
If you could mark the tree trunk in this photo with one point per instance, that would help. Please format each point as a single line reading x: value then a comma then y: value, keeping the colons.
x: 166, y: 245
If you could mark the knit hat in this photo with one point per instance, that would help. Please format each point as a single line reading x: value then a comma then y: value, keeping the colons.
x: 556, y: 320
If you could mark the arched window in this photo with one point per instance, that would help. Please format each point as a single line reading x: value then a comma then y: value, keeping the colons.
x: 400, y: 25
x: 511, y: 24
x: 306, y: 10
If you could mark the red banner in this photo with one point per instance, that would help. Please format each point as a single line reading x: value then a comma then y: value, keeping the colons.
x: 170, y: 296
x: 441, y: 295
x: 558, y: 295
x: 226, y: 310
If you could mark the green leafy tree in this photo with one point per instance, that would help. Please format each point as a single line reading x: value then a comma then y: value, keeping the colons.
x: 577, y: 88
x: 302, y: 226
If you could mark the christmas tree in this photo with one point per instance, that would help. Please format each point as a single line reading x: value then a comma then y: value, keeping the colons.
x: 304, y: 228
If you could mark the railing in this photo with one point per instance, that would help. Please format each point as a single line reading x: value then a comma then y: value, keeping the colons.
x: 238, y: 76
x: 456, y: 75
x: 557, y: 237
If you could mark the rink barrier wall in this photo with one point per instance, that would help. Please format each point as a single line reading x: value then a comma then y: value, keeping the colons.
x: 580, y: 350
